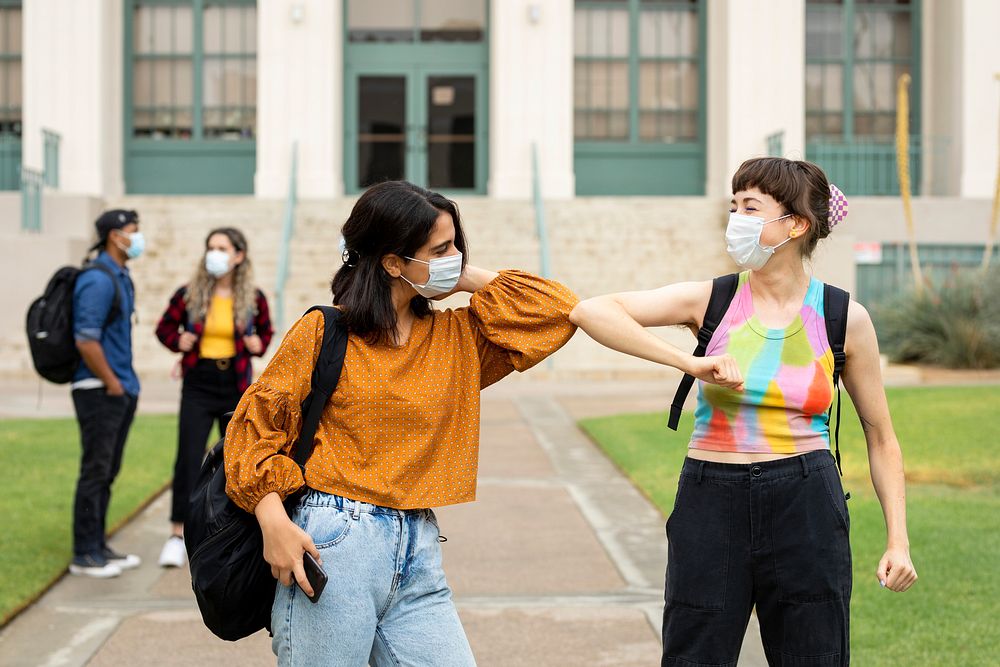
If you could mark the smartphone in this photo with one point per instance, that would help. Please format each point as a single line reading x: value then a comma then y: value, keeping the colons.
x: 315, y: 575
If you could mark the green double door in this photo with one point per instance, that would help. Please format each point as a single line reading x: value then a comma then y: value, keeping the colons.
x: 425, y: 123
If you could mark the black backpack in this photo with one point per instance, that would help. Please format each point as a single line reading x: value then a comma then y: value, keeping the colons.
x: 835, y: 304
x: 49, y: 323
x: 231, y: 580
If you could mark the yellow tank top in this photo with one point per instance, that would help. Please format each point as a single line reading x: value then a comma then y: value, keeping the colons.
x: 217, y: 338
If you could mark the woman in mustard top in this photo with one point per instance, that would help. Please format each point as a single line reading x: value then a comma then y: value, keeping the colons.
x: 399, y: 436
x: 218, y: 321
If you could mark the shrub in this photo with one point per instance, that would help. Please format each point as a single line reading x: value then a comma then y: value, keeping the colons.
x: 956, y: 325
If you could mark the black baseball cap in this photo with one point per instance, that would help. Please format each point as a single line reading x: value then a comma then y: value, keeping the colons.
x: 110, y: 220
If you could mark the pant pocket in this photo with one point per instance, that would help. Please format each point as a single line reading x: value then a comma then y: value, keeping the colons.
x: 811, y: 545
x: 698, y: 535
x: 327, y: 526
x: 838, y: 501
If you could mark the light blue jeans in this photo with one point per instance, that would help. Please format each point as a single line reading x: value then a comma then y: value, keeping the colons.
x: 386, y: 601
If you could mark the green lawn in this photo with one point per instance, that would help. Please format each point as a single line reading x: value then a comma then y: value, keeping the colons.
x: 951, y: 448
x: 40, y: 459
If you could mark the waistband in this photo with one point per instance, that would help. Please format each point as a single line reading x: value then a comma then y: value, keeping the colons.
x: 314, y: 498
x: 224, y: 364
x: 794, y: 466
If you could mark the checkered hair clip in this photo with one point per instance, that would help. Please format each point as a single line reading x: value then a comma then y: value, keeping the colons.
x: 837, y: 207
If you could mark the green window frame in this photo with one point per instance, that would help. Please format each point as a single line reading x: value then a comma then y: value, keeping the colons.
x: 412, y: 42
x: 639, y: 97
x: 190, y: 96
x: 10, y: 94
x: 855, y: 52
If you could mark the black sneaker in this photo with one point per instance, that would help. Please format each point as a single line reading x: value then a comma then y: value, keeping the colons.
x: 123, y: 561
x: 94, y: 565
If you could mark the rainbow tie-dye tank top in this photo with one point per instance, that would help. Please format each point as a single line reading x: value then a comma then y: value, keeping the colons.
x: 788, y: 376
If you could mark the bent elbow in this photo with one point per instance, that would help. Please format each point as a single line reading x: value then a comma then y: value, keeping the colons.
x: 581, y: 312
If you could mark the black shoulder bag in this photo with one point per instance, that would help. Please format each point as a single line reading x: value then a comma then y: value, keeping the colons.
x: 231, y: 580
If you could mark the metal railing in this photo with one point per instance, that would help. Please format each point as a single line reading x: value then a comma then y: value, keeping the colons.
x: 868, y: 166
x: 31, y: 200
x: 51, y: 142
x: 540, y: 227
x: 10, y: 161
x: 287, y: 232
x: 776, y: 144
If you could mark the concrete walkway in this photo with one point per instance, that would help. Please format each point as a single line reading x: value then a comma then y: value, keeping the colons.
x: 559, y: 562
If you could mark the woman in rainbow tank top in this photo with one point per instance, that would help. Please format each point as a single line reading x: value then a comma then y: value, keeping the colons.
x: 761, y: 520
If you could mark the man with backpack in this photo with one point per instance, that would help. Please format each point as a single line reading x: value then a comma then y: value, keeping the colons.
x: 105, y: 387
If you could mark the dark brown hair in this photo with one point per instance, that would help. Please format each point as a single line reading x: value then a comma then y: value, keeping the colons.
x: 800, y: 187
x: 394, y: 217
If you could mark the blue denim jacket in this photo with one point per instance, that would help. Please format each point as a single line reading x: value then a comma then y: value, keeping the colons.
x: 93, y: 297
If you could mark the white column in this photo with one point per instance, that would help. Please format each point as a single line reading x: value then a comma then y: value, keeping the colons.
x: 531, y: 97
x: 300, y: 74
x: 72, y: 73
x: 756, y: 84
x: 980, y: 92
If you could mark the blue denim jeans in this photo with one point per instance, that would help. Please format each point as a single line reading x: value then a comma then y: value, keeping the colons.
x: 386, y: 601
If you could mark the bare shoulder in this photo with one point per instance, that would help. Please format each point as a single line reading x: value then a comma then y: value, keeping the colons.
x: 861, y: 336
x: 858, y: 317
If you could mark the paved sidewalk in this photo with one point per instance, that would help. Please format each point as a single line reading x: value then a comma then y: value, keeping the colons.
x: 559, y: 562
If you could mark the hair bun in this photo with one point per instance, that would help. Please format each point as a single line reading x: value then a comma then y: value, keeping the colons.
x: 837, y: 207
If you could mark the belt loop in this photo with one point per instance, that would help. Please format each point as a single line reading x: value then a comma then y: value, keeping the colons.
x: 805, y: 468
x: 356, y: 513
x: 701, y: 470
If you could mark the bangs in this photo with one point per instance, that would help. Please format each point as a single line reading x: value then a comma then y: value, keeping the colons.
x: 774, y: 176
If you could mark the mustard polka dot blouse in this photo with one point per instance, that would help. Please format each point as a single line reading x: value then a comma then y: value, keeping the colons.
x: 402, y: 428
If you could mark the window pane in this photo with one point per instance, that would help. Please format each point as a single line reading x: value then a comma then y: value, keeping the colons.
x: 183, y: 29
x: 381, y: 129
x: 163, y: 30
x: 227, y: 82
x: 142, y: 83
x: 380, y: 20
x: 230, y: 29
x: 814, y: 87
x: 874, y: 87
x: 163, y: 85
x: 183, y: 71
x: 10, y: 30
x: 211, y: 29
x: 873, y: 34
x: 668, y: 33
x: 452, y: 20
x: 902, y: 46
x: 12, y: 90
x: 605, y: 33
x: 451, y: 124
x: 824, y: 34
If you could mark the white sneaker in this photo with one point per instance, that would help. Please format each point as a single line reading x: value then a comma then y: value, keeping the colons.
x: 96, y: 566
x: 173, y: 554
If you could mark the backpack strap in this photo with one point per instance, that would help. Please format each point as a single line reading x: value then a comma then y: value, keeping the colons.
x: 116, y: 301
x: 723, y: 291
x: 835, y: 304
x: 325, y: 376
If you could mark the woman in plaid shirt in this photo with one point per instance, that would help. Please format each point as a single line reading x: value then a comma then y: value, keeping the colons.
x: 218, y: 321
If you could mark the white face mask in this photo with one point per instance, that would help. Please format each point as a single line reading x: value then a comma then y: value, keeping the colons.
x: 217, y: 262
x: 444, y: 275
x: 743, y: 240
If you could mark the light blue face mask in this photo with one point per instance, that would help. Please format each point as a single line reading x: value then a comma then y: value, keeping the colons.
x: 444, y: 275
x: 137, y: 244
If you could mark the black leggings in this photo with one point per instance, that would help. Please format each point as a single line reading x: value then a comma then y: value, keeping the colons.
x: 772, y: 535
x: 209, y: 392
